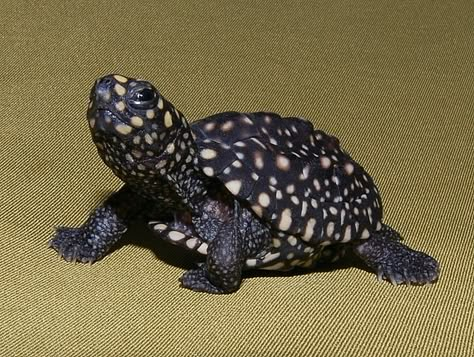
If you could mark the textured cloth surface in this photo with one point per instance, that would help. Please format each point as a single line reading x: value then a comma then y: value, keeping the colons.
x: 394, y: 80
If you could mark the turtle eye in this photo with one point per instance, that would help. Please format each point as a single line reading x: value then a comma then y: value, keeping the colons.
x: 143, y: 98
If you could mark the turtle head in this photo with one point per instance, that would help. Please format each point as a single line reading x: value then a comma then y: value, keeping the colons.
x: 132, y: 124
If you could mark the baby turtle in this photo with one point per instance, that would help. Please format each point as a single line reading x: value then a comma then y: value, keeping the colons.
x: 248, y: 190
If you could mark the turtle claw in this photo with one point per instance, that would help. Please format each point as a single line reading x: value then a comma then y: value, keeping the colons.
x: 395, y: 262
x: 72, y: 245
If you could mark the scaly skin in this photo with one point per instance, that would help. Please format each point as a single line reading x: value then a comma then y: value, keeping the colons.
x: 248, y: 190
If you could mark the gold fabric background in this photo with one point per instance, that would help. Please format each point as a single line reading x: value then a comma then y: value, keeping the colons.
x: 394, y: 80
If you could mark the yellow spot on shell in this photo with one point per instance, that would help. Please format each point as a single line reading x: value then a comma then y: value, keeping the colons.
x: 285, y: 220
x: 209, y: 171
x: 349, y: 168
x: 264, y: 199
x: 208, y: 154
x: 282, y: 162
x: 123, y: 129
x: 258, y: 210
x: 309, y: 230
x: 234, y: 186
x: 325, y: 162
x: 365, y: 234
x: 347, y: 235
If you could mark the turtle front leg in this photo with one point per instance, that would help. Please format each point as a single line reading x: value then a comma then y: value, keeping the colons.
x: 222, y: 272
x: 104, y: 227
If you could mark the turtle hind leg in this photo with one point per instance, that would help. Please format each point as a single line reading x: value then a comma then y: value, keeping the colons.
x: 394, y: 261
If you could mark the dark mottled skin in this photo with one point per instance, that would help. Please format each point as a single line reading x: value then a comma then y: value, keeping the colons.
x: 247, y: 190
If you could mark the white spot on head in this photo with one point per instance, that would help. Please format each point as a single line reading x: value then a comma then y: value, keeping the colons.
x: 160, y: 103
x: 119, y: 89
x: 120, y: 106
x: 234, y: 186
x: 168, y: 119
x: 136, y: 121
x: 273, y: 181
x: 123, y: 129
x: 120, y: 78
x: 379, y: 226
x: 148, y: 139
x: 150, y: 114
x: 290, y: 189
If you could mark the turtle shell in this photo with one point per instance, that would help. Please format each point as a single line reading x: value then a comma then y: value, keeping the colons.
x: 294, y: 177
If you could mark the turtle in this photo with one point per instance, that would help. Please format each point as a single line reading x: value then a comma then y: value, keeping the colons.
x: 246, y: 190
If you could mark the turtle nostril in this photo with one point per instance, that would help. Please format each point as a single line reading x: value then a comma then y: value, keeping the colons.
x: 104, y: 83
x: 103, y: 88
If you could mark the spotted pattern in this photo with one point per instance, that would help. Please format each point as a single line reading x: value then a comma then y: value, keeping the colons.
x: 248, y: 190
x: 296, y: 178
